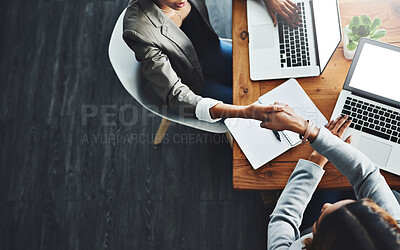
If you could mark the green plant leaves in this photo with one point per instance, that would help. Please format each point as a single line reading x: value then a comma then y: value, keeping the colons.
x: 376, y: 39
x: 379, y: 33
x: 362, y: 31
x: 354, y: 23
x: 375, y: 25
x: 365, y: 20
x: 353, y: 37
x: 351, y: 46
x: 350, y: 34
x: 363, y: 27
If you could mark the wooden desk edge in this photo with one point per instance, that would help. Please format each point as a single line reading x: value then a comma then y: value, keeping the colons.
x: 269, y: 177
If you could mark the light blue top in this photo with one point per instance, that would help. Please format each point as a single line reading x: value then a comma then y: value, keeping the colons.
x: 362, y: 173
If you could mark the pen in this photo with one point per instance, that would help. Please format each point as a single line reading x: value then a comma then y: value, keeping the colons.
x: 277, y: 135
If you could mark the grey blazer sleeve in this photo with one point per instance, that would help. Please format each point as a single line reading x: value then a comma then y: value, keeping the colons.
x: 362, y: 173
x: 285, y: 220
x: 157, y: 69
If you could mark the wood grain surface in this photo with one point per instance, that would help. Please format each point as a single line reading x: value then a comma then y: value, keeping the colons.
x: 323, y: 90
x: 67, y: 182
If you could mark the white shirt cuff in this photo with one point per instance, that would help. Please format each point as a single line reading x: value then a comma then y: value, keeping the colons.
x: 203, y: 110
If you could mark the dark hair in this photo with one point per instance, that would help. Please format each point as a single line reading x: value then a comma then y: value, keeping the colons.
x: 357, y: 225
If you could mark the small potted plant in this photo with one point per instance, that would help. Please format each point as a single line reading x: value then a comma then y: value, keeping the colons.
x: 360, y: 27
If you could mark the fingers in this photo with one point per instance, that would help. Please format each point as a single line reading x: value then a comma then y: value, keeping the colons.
x: 336, y: 125
x: 286, y: 107
x: 340, y: 121
x: 328, y: 126
x: 285, y: 8
x: 265, y: 124
x: 274, y: 108
x: 349, y: 139
x: 343, y: 128
x: 286, y: 17
x: 280, y: 104
x: 294, y: 6
x: 273, y: 125
x: 332, y: 123
x: 292, y: 12
x: 273, y: 16
x: 339, y: 126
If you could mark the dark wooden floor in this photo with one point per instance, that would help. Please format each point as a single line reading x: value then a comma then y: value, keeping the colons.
x: 71, y: 183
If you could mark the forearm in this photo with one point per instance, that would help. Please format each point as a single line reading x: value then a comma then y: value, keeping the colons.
x: 361, y: 172
x: 351, y: 162
x: 286, y: 218
x: 347, y: 159
x: 222, y: 110
x: 300, y: 126
x: 253, y: 111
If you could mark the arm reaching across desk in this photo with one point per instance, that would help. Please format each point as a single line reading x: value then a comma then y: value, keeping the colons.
x: 362, y: 174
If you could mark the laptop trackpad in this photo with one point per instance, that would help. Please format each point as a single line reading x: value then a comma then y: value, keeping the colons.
x: 263, y: 36
x: 377, y: 152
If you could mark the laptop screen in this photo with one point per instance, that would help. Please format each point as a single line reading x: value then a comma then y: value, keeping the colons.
x: 327, y: 29
x: 377, y: 72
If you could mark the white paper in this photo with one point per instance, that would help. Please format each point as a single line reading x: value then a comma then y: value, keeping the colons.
x: 292, y: 94
x: 260, y: 145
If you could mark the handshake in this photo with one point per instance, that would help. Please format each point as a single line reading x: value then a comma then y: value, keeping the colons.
x: 279, y: 116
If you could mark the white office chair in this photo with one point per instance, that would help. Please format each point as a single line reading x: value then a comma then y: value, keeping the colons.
x: 128, y: 71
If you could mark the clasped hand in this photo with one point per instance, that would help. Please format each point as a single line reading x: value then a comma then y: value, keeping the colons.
x: 284, y: 118
x: 277, y: 116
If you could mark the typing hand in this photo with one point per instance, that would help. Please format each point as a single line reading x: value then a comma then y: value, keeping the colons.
x: 285, y: 8
x: 338, y: 128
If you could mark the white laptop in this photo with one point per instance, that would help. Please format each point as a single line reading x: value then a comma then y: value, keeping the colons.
x: 371, y: 97
x: 285, y: 52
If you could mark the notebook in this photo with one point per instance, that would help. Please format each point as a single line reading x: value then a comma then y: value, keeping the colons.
x: 260, y: 145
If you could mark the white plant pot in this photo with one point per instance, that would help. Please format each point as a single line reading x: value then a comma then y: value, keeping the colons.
x: 348, y: 54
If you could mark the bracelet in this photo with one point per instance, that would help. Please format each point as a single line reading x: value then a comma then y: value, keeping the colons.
x: 310, y: 128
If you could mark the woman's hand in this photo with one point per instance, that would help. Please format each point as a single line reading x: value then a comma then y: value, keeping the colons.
x: 286, y: 120
x: 260, y: 112
x: 338, y: 128
x: 285, y: 8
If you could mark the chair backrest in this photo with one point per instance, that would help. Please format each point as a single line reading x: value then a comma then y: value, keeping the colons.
x: 128, y: 71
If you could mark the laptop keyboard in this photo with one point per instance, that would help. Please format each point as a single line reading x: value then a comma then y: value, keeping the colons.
x: 372, y: 119
x: 293, y: 42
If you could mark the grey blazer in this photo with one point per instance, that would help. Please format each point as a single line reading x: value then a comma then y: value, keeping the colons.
x: 167, y: 57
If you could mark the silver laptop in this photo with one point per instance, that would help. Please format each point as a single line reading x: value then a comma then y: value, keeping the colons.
x: 285, y: 52
x: 371, y: 97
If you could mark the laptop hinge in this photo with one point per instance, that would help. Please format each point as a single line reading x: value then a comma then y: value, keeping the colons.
x: 315, y: 35
x: 389, y: 103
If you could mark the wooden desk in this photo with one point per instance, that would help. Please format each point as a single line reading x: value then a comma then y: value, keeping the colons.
x: 323, y: 90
